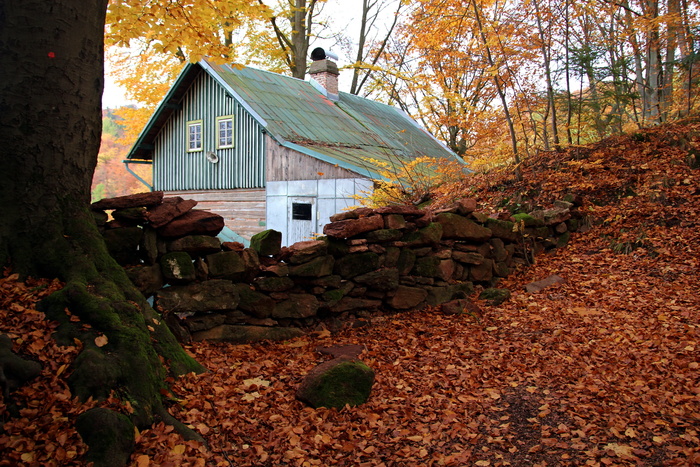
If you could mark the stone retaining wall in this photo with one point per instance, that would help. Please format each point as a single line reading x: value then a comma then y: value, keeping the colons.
x: 370, y: 261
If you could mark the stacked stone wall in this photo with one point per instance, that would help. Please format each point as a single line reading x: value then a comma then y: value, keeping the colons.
x: 370, y: 261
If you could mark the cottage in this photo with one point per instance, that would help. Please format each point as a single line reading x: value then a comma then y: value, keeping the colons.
x: 270, y: 151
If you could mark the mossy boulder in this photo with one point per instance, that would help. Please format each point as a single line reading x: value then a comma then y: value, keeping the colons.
x: 381, y: 279
x: 527, y: 220
x: 317, y: 267
x: 428, y: 235
x: 503, y: 229
x: 337, y: 383
x: 267, y: 243
x: 427, y: 266
x: 355, y: 264
x: 226, y: 265
x: 177, y: 267
x: 495, y: 296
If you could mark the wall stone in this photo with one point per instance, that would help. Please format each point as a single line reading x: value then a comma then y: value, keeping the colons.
x: 387, y: 260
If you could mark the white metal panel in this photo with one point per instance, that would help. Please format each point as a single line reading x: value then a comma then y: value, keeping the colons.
x: 325, y: 209
x: 277, y: 189
x: 326, y: 188
x: 303, y: 188
x: 276, y: 210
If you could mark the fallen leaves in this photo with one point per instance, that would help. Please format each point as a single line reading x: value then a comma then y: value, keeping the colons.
x: 601, y: 371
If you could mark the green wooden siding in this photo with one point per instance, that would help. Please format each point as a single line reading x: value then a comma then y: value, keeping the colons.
x: 242, y: 166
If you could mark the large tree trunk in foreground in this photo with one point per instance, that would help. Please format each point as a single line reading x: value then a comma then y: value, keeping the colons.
x: 51, y: 79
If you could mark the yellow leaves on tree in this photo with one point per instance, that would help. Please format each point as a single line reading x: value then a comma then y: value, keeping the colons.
x: 411, y: 182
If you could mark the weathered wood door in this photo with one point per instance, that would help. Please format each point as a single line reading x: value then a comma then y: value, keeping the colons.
x: 301, y: 222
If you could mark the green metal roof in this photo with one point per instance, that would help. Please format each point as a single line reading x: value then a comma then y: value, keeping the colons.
x: 301, y: 117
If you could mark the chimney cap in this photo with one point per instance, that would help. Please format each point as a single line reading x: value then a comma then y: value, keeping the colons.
x: 319, y: 54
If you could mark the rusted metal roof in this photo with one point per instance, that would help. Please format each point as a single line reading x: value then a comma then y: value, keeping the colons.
x: 301, y: 117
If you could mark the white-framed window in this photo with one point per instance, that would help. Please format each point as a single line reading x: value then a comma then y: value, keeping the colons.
x: 224, y: 132
x: 194, y: 136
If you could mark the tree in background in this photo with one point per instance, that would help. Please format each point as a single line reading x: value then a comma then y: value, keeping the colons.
x: 51, y: 80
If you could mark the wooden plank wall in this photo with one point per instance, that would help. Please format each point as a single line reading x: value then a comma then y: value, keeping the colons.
x: 284, y: 164
x: 242, y: 209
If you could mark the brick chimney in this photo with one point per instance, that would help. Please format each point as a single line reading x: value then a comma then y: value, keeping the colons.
x: 324, y: 72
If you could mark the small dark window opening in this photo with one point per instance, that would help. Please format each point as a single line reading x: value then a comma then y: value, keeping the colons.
x: 301, y: 211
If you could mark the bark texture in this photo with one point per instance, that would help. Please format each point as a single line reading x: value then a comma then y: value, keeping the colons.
x: 51, y: 80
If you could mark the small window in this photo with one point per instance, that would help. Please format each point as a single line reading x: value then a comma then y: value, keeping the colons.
x: 224, y: 136
x: 194, y: 136
x: 301, y: 211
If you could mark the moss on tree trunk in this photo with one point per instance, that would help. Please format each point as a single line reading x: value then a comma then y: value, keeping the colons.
x: 51, y: 78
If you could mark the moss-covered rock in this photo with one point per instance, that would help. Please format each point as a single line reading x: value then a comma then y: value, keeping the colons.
x: 267, y: 243
x: 226, y: 265
x: 355, y: 264
x: 427, y: 266
x: 527, y: 220
x: 495, y: 296
x: 381, y: 279
x: 177, y: 267
x: 428, y: 235
x: 337, y: 383
x: 317, y: 267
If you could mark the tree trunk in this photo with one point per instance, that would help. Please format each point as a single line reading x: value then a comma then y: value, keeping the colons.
x: 501, y: 93
x: 51, y: 80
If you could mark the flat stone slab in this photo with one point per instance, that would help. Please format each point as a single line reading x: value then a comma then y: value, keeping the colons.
x: 534, y: 287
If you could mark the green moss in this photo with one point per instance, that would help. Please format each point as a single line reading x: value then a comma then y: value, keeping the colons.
x: 348, y: 383
x: 528, y: 220
x: 109, y: 436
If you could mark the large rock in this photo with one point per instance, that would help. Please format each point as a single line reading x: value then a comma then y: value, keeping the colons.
x: 253, y: 302
x: 196, y: 244
x: 381, y: 279
x: 267, y: 243
x: 171, y: 208
x: 317, y: 267
x: 534, y: 287
x: 297, y: 306
x: 402, y: 209
x: 241, y: 334
x: 148, y: 279
x: 351, y: 227
x: 195, y: 222
x: 211, y: 295
x: 354, y: 214
x: 177, y: 267
x: 355, y: 264
x: 407, y: 297
x: 337, y: 383
x: 302, y: 252
x: 354, y: 304
x: 151, y: 198
x: 226, y: 265
x: 503, y: 229
x: 273, y: 284
x: 458, y: 227
x: 428, y: 235
x: 426, y: 266
x: 123, y: 244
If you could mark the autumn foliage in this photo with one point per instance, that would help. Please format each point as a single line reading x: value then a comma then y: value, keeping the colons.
x: 600, y: 370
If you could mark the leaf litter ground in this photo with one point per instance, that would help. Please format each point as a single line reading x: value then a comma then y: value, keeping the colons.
x: 601, y: 370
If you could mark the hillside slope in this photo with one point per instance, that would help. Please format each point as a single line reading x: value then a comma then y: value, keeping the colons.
x: 601, y: 370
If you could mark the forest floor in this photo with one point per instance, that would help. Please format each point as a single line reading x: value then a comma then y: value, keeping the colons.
x: 603, y: 369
